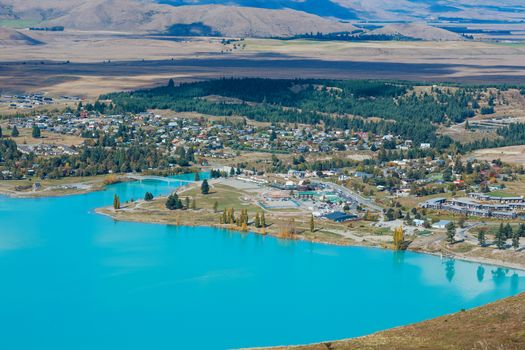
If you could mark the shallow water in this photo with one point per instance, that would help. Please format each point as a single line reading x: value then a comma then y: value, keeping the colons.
x: 73, y: 279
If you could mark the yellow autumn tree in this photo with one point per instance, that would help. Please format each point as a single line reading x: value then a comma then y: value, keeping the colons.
x: 399, y: 238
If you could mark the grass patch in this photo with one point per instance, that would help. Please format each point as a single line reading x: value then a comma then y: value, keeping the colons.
x: 18, y: 23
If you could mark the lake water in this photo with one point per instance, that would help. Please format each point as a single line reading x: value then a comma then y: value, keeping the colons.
x: 72, y: 279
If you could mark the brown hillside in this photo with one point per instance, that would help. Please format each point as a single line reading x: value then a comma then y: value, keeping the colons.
x: 147, y: 16
x: 497, y: 326
x: 10, y: 37
x: 418, y: 31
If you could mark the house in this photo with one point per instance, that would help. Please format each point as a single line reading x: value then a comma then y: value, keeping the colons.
x: 339, y: 216
x: 442, y: 224
x: 418, y: 222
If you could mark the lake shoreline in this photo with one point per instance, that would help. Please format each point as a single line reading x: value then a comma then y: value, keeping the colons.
x: 63, y: 187
x: 117, y: 215
x: 460, y: 330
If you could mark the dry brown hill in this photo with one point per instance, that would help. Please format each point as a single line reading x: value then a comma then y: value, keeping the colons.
x: 148, y: 16
x: 10, y: 37
x: 497, y: 326
x: 248, y: 21
x: 418, y: 31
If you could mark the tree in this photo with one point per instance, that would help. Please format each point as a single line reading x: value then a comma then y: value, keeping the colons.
x: 501, y: 239
x: 197, y: 177
x: 390, y: 214
x: 14, y: 132
x: 508, y: 231
x: 187, y: 202
x: 205, y: 188
x: 193, y: 204
x: 173, y: 202
x: 516, y: 239
x: 148, y: 196
x: 481, y: 238
x: 257, y: 220
x: 1, y: 132
x: 263, y: 220
x: 399, y: 238
x: 312, y: 223
x: 36, y: 132
x: 451, y: 232
x: 116, y: 202
x: 215, y: 206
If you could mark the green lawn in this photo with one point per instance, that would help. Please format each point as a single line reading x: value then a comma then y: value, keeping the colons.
x: 17, y: 23
x: 501, y: 194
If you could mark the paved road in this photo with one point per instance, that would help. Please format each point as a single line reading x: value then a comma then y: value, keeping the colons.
x: 462, y: 233
x: 358, y: 198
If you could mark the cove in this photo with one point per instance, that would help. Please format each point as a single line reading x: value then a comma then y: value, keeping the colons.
x: 73, y: 279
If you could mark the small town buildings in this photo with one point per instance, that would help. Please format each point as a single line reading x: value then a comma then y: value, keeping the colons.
x: 442, y: 224
x: 339, y: 216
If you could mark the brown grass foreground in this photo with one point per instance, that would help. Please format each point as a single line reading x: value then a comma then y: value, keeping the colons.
x: 500, y: 325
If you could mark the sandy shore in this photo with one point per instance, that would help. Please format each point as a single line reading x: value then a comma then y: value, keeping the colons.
x: 59, y: 188
x: 135, y: 212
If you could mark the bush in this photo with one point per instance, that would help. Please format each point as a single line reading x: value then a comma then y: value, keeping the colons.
x: 173, y: 202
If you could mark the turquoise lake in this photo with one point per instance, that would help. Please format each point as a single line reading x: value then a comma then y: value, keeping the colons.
x: 73, y: 279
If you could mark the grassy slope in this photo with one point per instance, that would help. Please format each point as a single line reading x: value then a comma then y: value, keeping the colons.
x: 500, y: 325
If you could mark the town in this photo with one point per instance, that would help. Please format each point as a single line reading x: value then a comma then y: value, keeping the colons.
x: 335, y: 174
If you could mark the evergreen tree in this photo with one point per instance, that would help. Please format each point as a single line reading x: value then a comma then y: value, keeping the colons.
x: 14, y: 132
x: 215, y: 206
x: 508, y: 231
x: 36, y: 132
x: 1, y: 132
x: 257, y: 220
x: 173, y: 202
x: 197, y: 177
x: 312, y: 223
x: 516, y: 239
x: 451, y: 232
x: 187, y: 203
x: 205, y: 188
x: 193, y: 204
x: 390, y: 214
x: 148, y: 196
x: 481, y: 238
x: 500, y: 237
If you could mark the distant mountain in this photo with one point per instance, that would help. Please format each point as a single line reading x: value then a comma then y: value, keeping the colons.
x: 258, y: 18
x: 385, y: 10
x: 323, y: 8
x: 11, y: 37
x: 149, y: 16
x: 418, y: 31
x: 245, y: 22
x: 458, y: 10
